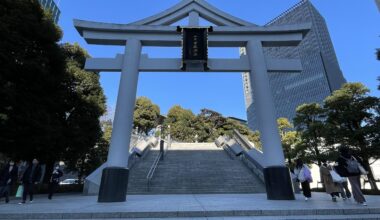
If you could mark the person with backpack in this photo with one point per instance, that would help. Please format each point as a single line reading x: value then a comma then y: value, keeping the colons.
x: 351, y: 167
x: 304, y: 177
x: 54, y: 180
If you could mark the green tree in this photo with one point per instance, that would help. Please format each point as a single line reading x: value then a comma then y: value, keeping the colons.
x: 146, y: 115
x: 211, y: 124
x: 310, y: 125
x: 97, y: 155
x: 289, y: 138
x: 32, y: 106
x: 208, y: 124
x: 351, y: 119
x: 181, y: 123
x: 85, y: 104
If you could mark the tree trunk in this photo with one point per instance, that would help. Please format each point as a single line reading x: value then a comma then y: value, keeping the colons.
x: 371, y: 177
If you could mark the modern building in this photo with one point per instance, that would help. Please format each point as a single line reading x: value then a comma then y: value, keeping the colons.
x: 321, y: 73
x: 53, y: 7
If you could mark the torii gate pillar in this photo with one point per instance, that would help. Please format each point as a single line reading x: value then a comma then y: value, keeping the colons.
x: 276, y: 174
x: 113, y: 186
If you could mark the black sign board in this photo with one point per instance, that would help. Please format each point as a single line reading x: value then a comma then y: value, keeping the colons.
x: 194, y: 46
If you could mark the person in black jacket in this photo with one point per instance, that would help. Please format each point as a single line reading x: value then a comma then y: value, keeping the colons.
x: 348, y: 166
x: 54, y: 180
x: 8, y: 176
x: 31, y: 176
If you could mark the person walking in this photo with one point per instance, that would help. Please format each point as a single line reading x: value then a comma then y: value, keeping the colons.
x: 351, y: 167
x: 330, y: 185
x: 345, y: 191
x: 304, y: 177
x: 54, y: 180
x: 8, y: 176
x: 32, y: 175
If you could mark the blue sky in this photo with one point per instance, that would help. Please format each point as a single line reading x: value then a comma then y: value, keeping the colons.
x: 353, y: 25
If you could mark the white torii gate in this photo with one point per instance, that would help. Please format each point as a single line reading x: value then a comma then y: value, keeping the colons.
x: 228, y: 32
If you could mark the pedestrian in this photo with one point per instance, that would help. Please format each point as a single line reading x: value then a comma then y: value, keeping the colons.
x: 304, y: 177
x: 8, y: 177
x: 54, y: 180
x: 296, y: 184
x: 345, y: 191
x: 351, y: 167
x: 331, y: 185
x: 30, y: 177
x: 22, y: 165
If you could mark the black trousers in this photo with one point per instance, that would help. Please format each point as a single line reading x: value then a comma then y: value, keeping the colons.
x: 28, y: 189
x: 5, y: 191
x: 52, y: 188
x: 306, y: 189
x: 334, y: 194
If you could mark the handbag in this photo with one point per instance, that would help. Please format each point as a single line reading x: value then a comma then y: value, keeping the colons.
x: 20, y: 191
x: 335, y: 176
x: 361, y: 168
x: 307, y: 174
x: 301, y: 176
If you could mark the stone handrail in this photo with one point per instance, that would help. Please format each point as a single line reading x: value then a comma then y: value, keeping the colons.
x: 240, y: 146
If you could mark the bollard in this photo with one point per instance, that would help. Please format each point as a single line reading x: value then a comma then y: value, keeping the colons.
x: 162, y: 149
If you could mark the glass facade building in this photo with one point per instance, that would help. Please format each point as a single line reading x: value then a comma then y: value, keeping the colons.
x: 321, y: 74
x: 53, y: 7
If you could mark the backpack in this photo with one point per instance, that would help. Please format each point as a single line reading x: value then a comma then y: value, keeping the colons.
x: 352, y: 166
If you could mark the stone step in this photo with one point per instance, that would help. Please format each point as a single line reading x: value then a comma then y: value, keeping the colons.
x: 196, y: 168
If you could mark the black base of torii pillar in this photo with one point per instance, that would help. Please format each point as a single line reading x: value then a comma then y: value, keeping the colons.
x: 114, y: 184
x: 278, y: 183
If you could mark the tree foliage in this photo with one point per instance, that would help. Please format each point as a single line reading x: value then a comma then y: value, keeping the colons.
x: 289, y: 138
x: 204, y: 127
x: 181, y: 123
x: 49, y: 106
x: 349, y: 117
x: 309, y: 122
x: 352, y: 120
x: 85, y: 103
x: 31, y: 88
x: 145, y: 115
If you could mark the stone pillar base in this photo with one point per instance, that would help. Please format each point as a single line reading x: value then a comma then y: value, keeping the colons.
x: 113, y: 186
x: 278, y: 183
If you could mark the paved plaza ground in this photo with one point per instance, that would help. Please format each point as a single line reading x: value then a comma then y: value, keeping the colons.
x: 211, y: 206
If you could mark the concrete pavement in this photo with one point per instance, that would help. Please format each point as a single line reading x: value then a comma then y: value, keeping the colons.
x: 194, y: 206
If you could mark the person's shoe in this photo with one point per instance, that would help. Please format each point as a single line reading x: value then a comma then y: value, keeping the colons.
x: 7, y: 201
x: 21, y: 203
x: 364, y: 204
x: 344, y: 198
x: 306, y: 198
x: 31, y: 201
x: 334, y: 199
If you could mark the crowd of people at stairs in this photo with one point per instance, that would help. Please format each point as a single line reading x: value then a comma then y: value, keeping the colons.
x: 335, y: 178
x: 347, y: 168
x: 27, y: 175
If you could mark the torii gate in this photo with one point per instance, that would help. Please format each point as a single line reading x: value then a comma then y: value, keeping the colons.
x: 228, y: 32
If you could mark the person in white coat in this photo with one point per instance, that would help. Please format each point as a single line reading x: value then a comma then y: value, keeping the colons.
x: 304, y: 177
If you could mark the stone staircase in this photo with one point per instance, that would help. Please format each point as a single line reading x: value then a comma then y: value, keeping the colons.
x: 194, y: 168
